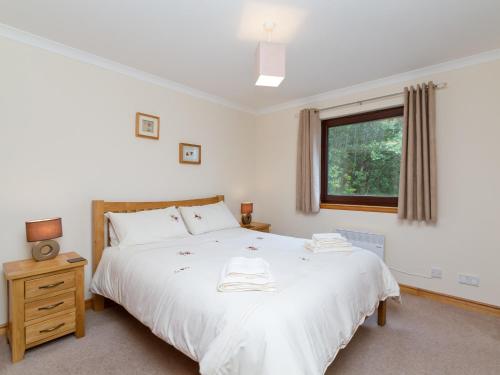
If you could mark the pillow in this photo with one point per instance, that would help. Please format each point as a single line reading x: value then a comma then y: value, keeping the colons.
x: 207, y: 218
x: 147, y: 226
x: 113, y: 238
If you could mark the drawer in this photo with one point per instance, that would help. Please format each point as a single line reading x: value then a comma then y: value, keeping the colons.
x: 50, y: 327
x: 47, y: 306
x: 48, y: 284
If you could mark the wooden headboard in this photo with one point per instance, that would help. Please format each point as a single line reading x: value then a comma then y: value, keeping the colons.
x: 99, y: 208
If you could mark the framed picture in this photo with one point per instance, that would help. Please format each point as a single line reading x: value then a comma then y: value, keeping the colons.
x: 189, y: 154
x: 147, y: 126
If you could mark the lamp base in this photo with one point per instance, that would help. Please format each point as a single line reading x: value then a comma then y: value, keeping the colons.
x: 45, y: 250
x: 246, y: 219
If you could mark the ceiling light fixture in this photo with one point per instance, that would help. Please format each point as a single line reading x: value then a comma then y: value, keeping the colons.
x: 270, y: 60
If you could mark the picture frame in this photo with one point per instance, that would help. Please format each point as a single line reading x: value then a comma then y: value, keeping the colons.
x: 189, y: 153
x: 147, y: 126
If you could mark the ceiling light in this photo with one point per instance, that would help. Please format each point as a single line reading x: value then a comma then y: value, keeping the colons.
x: 271, y: 81
x: 270, y: 61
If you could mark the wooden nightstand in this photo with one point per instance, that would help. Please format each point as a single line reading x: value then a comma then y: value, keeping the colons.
x: 46, y: 301
x: 260, y: 227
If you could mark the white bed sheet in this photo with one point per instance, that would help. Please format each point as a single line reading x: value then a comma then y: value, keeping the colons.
x: 321, y: 300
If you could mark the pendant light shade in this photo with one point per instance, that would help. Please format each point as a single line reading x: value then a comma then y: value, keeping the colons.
x: 270, y: 64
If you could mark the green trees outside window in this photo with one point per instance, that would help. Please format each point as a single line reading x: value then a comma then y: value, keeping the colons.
x: 363, y: 158
x: 360, y: 158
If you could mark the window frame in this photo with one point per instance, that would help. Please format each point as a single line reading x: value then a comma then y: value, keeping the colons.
x: 326, y: 124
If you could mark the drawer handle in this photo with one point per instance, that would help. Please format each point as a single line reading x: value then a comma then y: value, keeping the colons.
x: 51, y: 329
x: 50, y: 307
x: 49, y: 286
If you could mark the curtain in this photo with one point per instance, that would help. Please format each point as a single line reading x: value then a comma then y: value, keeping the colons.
x: 417, y: 180
x: 308, y: 162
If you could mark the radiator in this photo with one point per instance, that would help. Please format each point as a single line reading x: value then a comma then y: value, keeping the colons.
x: 369, y: 241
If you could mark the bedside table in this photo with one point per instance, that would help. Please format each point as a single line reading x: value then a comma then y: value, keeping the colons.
x: 46, y: 301
x: 260, y: 227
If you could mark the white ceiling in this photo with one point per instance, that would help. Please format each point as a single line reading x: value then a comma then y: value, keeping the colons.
x: 209, y: 45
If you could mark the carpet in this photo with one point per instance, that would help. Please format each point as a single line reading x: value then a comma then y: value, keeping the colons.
x: 421, y: 337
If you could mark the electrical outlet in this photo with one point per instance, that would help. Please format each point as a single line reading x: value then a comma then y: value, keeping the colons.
x: 436, y: 273
x: 468, y: 280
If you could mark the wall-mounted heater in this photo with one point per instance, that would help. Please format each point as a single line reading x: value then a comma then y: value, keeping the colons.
x: 369, y: 241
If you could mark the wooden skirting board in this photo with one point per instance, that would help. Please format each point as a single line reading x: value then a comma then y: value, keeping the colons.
x: 452, y: 300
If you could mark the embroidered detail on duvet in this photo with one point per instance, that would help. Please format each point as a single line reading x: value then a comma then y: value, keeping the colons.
x: 304, y: 259
x: 182, y: 269
x: 260, y: 238
x: 174, y: 217
x: 198, y: 217
x: 185, y: 253
x: 253, y: 248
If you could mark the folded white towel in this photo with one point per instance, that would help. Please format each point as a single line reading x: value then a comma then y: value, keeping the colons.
x: 328, y: 240
x: 336, y: 244
x: 332, y: 242
x: 327, y: 236
x: 311, y: 246
x: 246, y: 274
x: 249, y: 268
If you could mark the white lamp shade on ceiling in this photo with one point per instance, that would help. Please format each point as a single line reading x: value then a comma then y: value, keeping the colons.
x: 270, y: 64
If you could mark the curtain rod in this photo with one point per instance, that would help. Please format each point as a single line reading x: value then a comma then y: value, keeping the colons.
x: 441, y: 85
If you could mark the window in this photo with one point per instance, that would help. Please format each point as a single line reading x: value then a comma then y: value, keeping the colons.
x: 360, y: 158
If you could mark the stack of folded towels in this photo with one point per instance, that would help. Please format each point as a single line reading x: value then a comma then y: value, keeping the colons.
x: 241, y: 274
x: 325, y: 242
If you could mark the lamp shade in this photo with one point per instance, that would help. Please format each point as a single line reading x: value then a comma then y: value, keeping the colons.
x: 270, y: 64
x: 246, y: 208
x: 45, y: 229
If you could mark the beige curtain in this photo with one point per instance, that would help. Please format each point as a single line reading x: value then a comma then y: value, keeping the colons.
x: 417, y: 180
x: 308, y: 161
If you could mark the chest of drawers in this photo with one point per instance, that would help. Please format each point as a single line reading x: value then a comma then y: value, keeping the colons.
x: 260, y: 227
x: 46, y: 301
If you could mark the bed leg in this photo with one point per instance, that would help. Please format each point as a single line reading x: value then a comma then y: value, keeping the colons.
x: 382, y: 310
x: 98, y: 302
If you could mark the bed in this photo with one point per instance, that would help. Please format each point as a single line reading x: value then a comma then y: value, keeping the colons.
x: 170, y: 287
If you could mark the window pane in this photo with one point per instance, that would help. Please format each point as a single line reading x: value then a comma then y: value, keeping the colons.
x: 363, y: 158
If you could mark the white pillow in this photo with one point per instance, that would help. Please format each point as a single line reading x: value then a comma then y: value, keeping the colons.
x: 113, y: 238
x: 147, y: 226
x: 207, y: 218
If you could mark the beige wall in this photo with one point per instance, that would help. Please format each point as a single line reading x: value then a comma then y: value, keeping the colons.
x: 466, y: 238
x: 67, y: 137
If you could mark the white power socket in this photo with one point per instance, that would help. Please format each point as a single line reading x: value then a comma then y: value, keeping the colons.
x: 436, y: 273
x: 468, y: 280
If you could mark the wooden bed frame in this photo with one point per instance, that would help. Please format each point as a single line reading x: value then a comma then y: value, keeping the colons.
x: 100, y: 222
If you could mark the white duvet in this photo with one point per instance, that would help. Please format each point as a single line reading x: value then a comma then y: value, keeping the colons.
x: 320, y: 301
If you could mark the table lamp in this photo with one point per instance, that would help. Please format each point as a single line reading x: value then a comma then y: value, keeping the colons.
x: 246, y: 212
x: 43, y: 232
